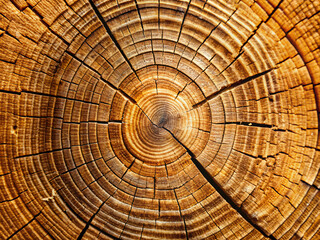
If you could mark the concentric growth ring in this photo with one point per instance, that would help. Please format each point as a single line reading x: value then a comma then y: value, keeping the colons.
x: 159, y: 119
x: 158, y: 116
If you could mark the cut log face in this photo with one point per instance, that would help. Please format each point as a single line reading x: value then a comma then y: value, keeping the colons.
x: 159, y: 119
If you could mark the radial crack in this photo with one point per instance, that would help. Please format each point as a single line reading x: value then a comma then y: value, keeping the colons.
x: 259, y: 25
x: 218, y: 187
x: 90, y: 220
x: 232, y: 62
x: 124, y: 227
x: 107, y: 122
x: 12, y: 199
x: 114, y: 40
x: 184, y: 221
x: 95, y: 227
x: 310, y: 185
x: 10, y: 92
x: 241, y: 51
x: 33, y: 219
x: 138, y: 10
x: 207, y: 37
x: 56, y: 96
x: 230, y: 87
x: 125, y: 95
x: 184, y: 17
x: 215, y: 184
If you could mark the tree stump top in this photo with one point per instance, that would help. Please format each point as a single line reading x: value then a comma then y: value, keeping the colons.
x: 159, y: 119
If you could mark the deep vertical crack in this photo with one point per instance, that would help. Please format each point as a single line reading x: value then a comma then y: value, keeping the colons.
x: 93, y: 226
x: 88, y: 224
x: 138, y: 10
x: 180, y: 211
x: 215, y: 184
x: 207, y: 37
x: 29, y: 222
x: 184, y: 17
x: 124, y: 227
x: 84, y: 230
x: 114, y: 40
x: 218, y: 187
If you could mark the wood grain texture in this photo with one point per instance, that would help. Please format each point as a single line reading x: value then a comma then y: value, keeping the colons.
x: 159, y: 119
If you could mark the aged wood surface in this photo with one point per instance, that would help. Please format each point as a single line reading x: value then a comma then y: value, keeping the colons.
x: 159, y: 119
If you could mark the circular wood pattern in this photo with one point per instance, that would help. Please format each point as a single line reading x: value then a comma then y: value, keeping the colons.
x: 159, y: 119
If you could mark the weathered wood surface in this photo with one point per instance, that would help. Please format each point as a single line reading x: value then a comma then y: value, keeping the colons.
x: 159, y: 119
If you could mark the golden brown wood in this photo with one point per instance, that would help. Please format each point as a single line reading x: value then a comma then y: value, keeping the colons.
x: 159, y: 119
